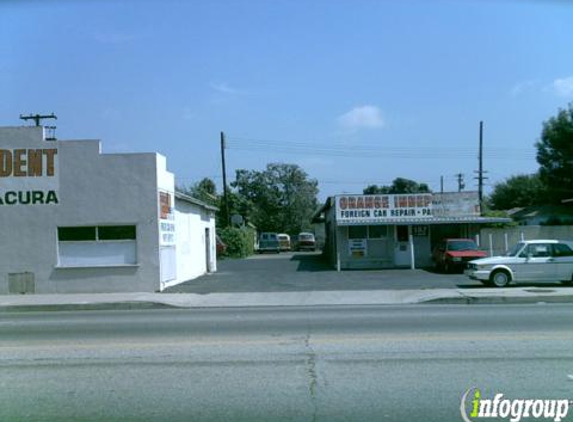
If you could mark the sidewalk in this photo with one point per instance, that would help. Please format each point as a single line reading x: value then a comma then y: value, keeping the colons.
x: 111, y: 301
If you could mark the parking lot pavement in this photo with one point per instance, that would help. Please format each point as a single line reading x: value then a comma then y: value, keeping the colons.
x: 306, y: 271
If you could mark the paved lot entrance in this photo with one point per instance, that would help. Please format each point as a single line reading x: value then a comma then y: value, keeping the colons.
x: 290, y: 272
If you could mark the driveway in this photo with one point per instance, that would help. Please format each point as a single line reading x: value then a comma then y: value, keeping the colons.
x: 295, y: 272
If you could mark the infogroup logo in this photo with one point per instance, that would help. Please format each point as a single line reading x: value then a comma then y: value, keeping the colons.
x: 474, y: 407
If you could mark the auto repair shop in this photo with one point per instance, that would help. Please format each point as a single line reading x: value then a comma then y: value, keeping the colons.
x: 74, y: 220
x: 393, y: 231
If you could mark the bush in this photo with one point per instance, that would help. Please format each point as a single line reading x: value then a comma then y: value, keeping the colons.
x: 239, y: 241
x: 492, y: 213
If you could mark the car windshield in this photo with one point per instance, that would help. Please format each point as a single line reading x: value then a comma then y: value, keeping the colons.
x: 462, y: 245
x: 514, y: 250
x: 306, y: 237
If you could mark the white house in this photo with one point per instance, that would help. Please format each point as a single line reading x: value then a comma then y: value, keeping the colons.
x: 74, y: 220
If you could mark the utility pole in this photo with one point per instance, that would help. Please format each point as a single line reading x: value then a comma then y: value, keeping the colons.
x: 441, y: 184
x: 461, y: 184
x: 38, y: 117
x: 480, y: 172
x: 225, y: 194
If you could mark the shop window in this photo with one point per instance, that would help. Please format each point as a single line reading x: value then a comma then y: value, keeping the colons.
x: 357, y: 232
x: 377, y: 232
x: 116, y: 232
x: 96, y: 246
x: 76, y: 234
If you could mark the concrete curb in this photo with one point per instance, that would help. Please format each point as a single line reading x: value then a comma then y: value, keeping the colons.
x: 117, y: 306
x: 142, y: 301
x: 493, y: 300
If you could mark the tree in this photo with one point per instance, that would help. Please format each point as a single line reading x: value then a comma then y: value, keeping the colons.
x: 279, y: 199
x: 375, y: 190
x: 517, y: 191
x: 205, y: 191
x: 399, y: 185
x: 555, y: 155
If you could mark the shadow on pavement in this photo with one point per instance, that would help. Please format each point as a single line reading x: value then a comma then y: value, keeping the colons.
x: 539, y: 285
x: 433, y: 270
x: 311, y: 262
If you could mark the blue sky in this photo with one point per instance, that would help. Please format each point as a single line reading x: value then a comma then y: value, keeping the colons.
x: 355, y: 92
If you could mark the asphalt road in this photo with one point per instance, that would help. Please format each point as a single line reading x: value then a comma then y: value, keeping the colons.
x: 306, y: 271
x: 404, y: 363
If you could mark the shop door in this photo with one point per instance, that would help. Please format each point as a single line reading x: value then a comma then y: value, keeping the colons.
x: 401, y: 247
x: 208, y: 250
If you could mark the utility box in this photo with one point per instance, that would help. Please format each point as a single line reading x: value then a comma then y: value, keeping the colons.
x: 21, y: 283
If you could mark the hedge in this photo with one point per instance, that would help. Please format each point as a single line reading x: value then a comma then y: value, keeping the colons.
x: 240, y: 241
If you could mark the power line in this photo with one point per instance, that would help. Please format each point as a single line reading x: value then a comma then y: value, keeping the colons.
x: 353, y: 146
x: 365, y: 151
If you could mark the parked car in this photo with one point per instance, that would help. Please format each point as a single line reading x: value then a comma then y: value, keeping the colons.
x: 452, y: 254
x: 269, y: 242
x: 221, y: 246
x: 305, y: 242
x: 532, y: 260
x: 284, y: 242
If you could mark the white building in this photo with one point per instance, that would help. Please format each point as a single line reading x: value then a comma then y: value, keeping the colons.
x: 74, y: 220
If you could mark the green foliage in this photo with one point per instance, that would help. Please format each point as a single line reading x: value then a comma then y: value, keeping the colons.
x: 555, y: 156
x: 279, y: 199
x: 499, y: 214
x: 239, y: 241
x: 205, y: 191
x: 399, y: 185
x: 517, y: 191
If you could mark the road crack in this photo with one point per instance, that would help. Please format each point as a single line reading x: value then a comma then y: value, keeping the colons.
x: 312, y: 374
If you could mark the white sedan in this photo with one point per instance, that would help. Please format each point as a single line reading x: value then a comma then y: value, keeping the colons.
x: 532, y: 260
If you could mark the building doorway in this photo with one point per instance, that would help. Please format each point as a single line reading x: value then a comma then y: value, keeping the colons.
x: 208, y: 250
x: 402, y: 247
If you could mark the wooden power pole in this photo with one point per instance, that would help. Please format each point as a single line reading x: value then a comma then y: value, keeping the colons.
x: 225, y: 193
x: 481, y: 171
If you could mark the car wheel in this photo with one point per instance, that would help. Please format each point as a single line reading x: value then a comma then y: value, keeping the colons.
x: 500, y: 278
x: 447, y: 267
x: 568, y: 282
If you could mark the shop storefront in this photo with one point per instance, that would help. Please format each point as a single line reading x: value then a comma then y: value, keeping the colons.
x: 393, y: 231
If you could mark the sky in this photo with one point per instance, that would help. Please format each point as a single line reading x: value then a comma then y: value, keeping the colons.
x: 355, y: 92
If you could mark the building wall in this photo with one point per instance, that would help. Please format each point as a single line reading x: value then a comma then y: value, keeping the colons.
x: 93, y: 189
x: 191, y: 222
x: 319, y: 235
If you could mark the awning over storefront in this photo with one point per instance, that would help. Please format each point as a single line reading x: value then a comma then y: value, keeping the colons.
x: 423, y: 221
